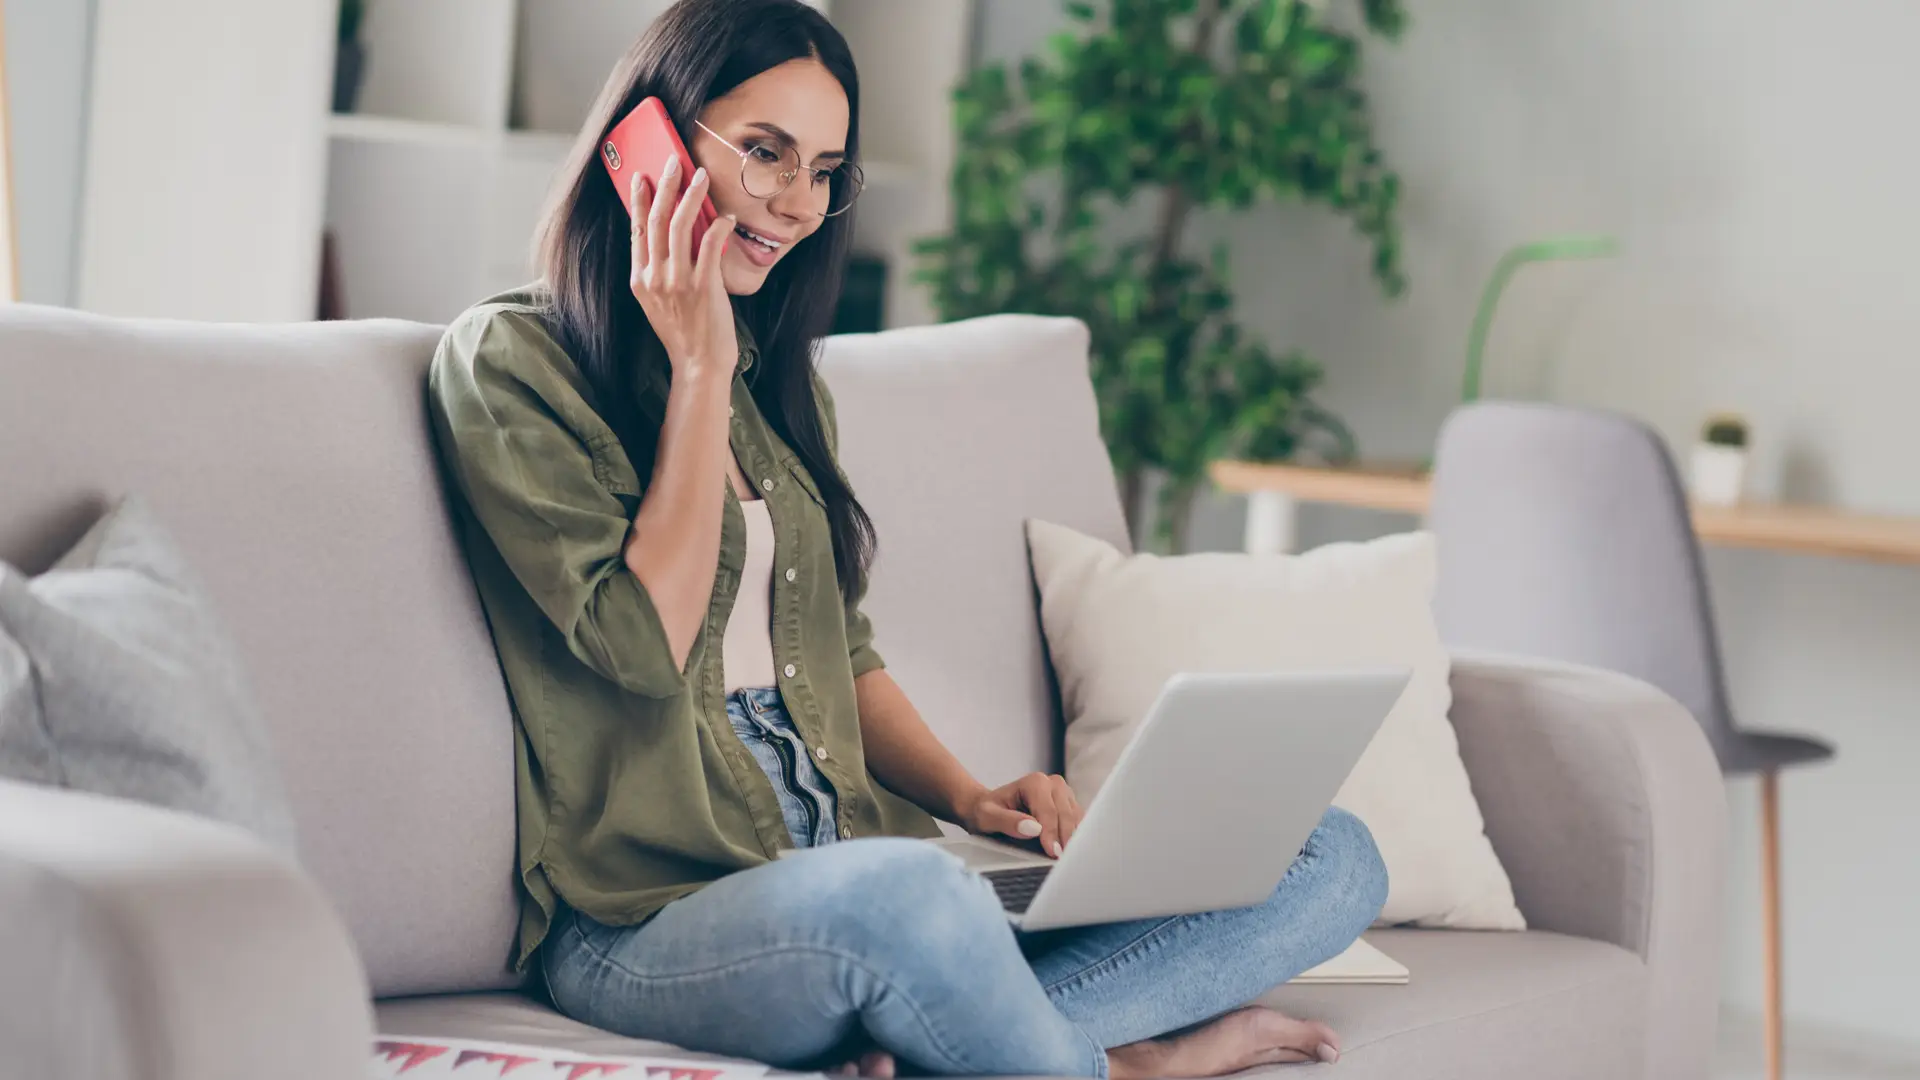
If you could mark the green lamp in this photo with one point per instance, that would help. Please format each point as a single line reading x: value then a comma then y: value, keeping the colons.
x: 1551, y: 249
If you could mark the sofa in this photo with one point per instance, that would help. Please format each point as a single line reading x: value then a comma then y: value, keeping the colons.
x: 293, y: 464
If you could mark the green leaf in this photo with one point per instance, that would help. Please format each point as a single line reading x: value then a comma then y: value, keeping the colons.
x: 1058, y: 190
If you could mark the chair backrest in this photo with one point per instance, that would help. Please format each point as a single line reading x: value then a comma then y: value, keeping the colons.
x: 954, y: 435
x: 293, y: 466
x: 1564, y: 533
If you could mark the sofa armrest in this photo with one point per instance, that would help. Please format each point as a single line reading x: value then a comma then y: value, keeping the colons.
x: 139, y: 942
x: 1605, y: 804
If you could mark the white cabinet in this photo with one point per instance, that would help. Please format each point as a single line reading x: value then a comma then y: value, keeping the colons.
x: 205, y: 158
x: 213, y: 164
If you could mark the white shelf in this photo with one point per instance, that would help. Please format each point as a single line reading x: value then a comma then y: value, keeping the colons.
x: 549, y: 145
x: 361, y: 127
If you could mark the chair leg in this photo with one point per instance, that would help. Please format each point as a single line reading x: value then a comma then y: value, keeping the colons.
x: 1770, y: 916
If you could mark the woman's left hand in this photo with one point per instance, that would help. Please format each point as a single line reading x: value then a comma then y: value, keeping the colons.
x: 1036, y: 805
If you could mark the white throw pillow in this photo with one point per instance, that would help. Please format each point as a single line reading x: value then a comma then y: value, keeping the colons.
x: 1119, y: 626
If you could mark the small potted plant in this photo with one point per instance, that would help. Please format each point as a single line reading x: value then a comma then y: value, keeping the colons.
x: 1719, y: 473
x: 349, y: 61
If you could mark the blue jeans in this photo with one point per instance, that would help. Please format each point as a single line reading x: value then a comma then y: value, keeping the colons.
x: 807, y: 799
x: 783, y: 962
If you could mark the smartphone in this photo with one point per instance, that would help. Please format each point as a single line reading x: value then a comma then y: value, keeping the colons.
x: 641, y: 143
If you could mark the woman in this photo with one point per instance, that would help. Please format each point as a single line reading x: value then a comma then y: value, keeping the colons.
x: 672, y: 565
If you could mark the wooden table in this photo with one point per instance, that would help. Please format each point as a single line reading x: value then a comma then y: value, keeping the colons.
x: 1272, y: 491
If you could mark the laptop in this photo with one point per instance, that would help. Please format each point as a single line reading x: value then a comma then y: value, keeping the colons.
x: 1206, y: 808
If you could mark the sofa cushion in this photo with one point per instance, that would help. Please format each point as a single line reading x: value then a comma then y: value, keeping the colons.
x: 137, y: 689
x: 953, y: 436
x: 1487, y: 1004
x: 1480, y: 1005
x: 509, y: 1018
x: 292, y: 467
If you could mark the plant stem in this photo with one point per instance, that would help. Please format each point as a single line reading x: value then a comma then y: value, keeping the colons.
x: 1175, y: 207
x: 1132, y: 482
x: 1557, y: 247
x: 1177, y: 203
x: 1176, y: 508
x: 1208, y: 17
x: 1167, y: 229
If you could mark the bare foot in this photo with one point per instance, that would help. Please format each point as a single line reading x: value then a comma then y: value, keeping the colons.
x: 1239, y: 1040
x: 874, y: 1064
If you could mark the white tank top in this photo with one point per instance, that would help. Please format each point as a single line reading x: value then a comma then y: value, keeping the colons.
x: 746, y: 653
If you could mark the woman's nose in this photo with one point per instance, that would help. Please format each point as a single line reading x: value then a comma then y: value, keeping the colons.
x: 798, y: 202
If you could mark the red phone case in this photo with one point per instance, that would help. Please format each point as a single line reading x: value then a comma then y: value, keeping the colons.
x: 641, y: 142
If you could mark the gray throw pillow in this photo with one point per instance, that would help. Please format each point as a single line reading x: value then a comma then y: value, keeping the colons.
x: 117, y: 678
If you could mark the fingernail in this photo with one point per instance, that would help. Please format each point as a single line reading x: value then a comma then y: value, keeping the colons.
x: 1056, y: 849
x: 1327, y: 1053
x: 1029, y: 828
x: 699, y: 174
x: 673, y: 166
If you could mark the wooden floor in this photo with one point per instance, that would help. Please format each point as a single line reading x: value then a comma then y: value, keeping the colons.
x: 1812, y: 1053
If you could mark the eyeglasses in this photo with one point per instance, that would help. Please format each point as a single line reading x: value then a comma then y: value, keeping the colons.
x: 768, y: 168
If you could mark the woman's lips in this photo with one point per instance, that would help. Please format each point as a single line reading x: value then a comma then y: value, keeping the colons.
x: 757, y: 253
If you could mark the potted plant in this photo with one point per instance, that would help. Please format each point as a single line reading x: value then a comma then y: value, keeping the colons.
x: 1719, y: 473
x: 1150, y: 112
x: 350, y: 58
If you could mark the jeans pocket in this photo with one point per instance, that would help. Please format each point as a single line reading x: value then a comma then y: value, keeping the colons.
x: 590, y: 940
x: 580, y: 958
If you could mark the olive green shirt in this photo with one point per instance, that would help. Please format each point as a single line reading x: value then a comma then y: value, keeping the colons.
x: 633, y: 790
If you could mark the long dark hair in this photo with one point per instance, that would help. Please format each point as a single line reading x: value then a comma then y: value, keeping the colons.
x: 695, y: 52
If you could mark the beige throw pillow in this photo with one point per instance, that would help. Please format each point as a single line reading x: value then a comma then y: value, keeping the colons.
x: 1119, y: 626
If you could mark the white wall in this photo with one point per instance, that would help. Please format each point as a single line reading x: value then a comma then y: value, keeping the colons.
x: 1010, y: 29
x: 48, y: 43
x: 910, y: 56
x: 1758, y: 162
x: 206, y: 156
x: 565, y: 50
x: 1757, y: 172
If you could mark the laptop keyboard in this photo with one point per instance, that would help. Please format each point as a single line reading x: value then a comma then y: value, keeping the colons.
x: 1016, y: 887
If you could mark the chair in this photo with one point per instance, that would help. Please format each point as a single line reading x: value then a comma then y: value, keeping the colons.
x: 1564, y: 533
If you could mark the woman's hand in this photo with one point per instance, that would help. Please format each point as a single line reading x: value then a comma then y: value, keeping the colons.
x: 685, y: 301
x: 1036, y: 805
